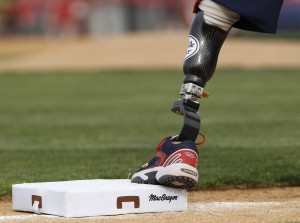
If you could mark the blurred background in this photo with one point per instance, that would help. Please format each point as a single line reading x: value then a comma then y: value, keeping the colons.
x: 105, y: 34
x: 96, y: 17
x: 81, y: 17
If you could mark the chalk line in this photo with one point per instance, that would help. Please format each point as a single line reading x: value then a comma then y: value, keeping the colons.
x: 23, y: 217
x: 214, y: 206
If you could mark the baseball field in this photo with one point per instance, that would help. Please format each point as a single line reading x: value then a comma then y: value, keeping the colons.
x: 97, y: 108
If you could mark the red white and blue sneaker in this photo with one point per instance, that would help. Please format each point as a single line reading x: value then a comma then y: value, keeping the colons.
x: 174, y: 165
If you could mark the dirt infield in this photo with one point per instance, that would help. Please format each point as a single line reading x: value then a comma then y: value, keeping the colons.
x: 252, y: 205
x: 144, y: 50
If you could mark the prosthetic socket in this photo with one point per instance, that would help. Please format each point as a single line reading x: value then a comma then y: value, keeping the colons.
x: 205, y: 42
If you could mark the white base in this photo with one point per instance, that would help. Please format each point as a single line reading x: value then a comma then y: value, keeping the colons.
x: 96, y: 197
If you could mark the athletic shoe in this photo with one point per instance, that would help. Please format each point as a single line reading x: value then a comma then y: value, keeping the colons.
x: 174, y: 165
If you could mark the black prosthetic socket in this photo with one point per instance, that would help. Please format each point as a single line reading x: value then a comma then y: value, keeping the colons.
x: 205, y: 42
x: 201, y: 60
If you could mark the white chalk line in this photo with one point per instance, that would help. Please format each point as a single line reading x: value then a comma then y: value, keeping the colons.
x: 193, y: 207
x: 217, y: 206
x: 23, y: 217
x: 17, y: 217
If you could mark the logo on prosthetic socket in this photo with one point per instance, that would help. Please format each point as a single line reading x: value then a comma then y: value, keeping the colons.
x: 193, y: 47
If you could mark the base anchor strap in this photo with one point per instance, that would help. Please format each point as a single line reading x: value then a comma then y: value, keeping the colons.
x: 35, y: 207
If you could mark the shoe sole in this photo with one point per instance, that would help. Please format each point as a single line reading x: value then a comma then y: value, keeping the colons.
x: 178, y: 176
x: 147, y: 176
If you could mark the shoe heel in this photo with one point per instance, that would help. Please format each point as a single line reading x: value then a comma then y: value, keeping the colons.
x: 178, y: 175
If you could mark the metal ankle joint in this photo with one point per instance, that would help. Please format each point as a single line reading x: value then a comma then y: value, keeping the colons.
x: 191, y: 91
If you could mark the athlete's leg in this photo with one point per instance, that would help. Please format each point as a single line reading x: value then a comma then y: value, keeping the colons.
x: 208, y: 31
x: 175, y: 163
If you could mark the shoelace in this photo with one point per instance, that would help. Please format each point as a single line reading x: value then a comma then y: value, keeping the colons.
x: 197, y: 143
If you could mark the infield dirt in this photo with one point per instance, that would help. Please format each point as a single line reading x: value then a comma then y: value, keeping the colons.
x: 144, y: 50
x: 251, y: 205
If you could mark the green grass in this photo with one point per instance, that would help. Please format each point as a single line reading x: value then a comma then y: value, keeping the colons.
x: 105, y: 124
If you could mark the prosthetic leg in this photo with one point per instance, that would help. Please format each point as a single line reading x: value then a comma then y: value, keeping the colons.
x: 205, y: 42
x: 176, y: 160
